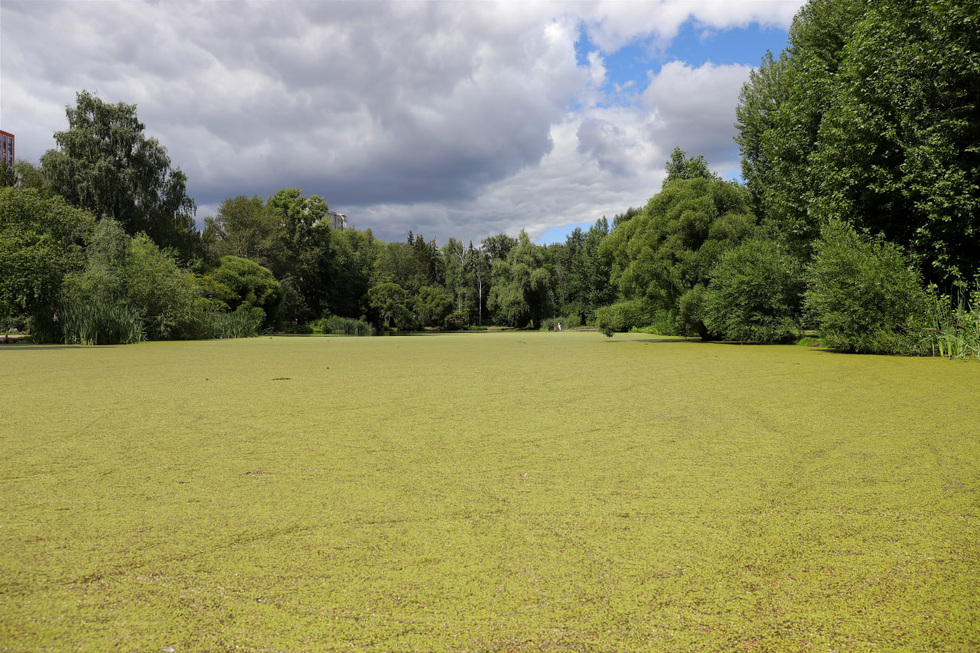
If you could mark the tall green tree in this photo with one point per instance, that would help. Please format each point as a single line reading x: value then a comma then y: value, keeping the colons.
x: 391, y: 301
x: 243, y: 227
x: 353, y: 256
x: 521, y: 293
x: 580, y: 275
x: 871, y: 118
x: 779, y: 115
x: 663, y: 256
x: 42, y: 239
x: 457, y: 276
x: 898, y: 154
x: 759, y: 100
x: 682, y: 166
x: 105, y: 163
x: 239, y: 284
x: 300, y: 252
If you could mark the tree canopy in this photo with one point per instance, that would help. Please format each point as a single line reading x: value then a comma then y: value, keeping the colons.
x: 42, y: 239
x: 869, y: 116
x: 663, y: 256
x: 107, y: 164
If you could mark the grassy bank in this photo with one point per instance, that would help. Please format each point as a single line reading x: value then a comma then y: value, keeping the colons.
x: 509, y: 491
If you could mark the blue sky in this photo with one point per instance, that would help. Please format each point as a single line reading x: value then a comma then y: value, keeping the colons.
x: 447, y: 118
x: 629, y: 68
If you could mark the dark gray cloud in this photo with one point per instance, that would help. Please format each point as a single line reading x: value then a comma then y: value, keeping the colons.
x: 448, y: 118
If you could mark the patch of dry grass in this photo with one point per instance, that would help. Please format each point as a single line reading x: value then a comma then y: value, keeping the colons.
x: 507, y: 491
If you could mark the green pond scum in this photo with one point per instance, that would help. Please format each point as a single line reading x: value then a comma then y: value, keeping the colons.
x: 517, y: 491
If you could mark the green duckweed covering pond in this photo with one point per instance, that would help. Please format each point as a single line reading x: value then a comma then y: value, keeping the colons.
x: 511, y: 491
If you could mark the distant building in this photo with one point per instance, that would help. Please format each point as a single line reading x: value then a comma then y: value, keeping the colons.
x: 7, y: 148
x: 339, y: 220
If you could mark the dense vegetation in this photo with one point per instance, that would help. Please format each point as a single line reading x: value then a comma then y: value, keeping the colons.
x: 858, y: 218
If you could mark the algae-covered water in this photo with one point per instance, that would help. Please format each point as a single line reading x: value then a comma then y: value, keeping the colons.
x: 515, y: 491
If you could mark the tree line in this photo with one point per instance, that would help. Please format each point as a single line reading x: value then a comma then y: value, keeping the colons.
x: 857, y: 218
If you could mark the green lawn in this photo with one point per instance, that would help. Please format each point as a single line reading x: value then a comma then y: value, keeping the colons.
x: 509, y: 491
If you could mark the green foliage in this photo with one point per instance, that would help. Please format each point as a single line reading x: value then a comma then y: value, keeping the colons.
x: 432, y: 305
x: 41, y: 240
x: 238, y: 324
x: 954, y: 330
x: 623, y: 316
x: 391, y: 302
x: 754, y: 294
x: 242, y: 227
x: 521, y: 292
x: 566, y: 322
x: 300, y: 252
x: 290, y: 236
x: 690, y: 318
x: 107, y: 165
x: 412, y: 265
x: 580, y: 275
x: 664, y: 323
x: 240, y: 284
x: 864, y: 296
x: 766, y: 90
x: 780, y: 113
x: 681, y: 166
x: 455, y: 321
x: 664, y: 254
x: 465, y: 272
x: 8, y: 177
x: 869, y: 117
x: 136, y: 275
x: 899, y: 151
x: 353, y: 254
x: 93, y: 323
x: 347, y: 326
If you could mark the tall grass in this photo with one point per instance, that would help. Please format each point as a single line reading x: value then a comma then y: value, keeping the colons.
x: 94, y: 323
x: 347, y: 326
x: 955, y: 332
x: 240, y: 324
x: 100, y: 324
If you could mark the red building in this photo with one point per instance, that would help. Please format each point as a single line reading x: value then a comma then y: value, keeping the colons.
x: 7, y: 148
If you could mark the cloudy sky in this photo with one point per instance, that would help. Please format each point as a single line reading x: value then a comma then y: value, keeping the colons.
x: 452, y: 118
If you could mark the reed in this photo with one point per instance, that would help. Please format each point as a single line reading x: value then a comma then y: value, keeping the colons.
x: 100, y: 324
x: 240, y: 324
x: 954, y: 332
x: 347, y: 326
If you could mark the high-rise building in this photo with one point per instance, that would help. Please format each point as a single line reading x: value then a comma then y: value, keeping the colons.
x: 7, y: 148
x: 339, y: 220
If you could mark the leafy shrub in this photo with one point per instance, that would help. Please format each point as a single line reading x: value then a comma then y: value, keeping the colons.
x: 664, y: 323
x: 347, y: 326
x: 864, y: 296
x: 455, y: 321
x: 567, y: 322
x: 133, y: 273
x: 623, y: 316
x: 238, y: 282
x: 754, y: 294
x: 688, y: 321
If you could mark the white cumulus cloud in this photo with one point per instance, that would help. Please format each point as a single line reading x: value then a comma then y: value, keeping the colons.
x: 458, y: 119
